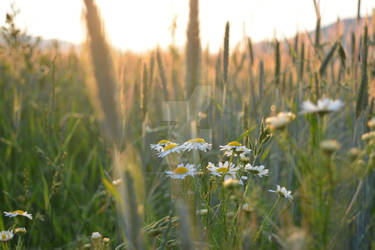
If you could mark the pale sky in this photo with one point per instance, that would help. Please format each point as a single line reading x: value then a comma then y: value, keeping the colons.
x: 141, y: 25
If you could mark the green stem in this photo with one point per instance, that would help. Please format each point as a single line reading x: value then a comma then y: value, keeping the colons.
x: 264, y: 220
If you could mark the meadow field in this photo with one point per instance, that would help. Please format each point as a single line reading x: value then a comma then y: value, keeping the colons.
x: 265, y: 146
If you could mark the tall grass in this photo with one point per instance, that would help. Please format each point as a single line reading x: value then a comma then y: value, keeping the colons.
x: 81, y: 168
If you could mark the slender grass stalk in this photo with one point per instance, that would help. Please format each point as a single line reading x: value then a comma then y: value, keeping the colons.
x: 362, y: 98
x: 145, y: 87
x: 264, y: 221
x: 162, y: 75
x: 277, y: 62
x: 261, y: 79
x: 226, y: 54
x: 103, y: 70
x: 359, y: 10
x: 327, y: 59
x: 251, y: 52
x: 193, y: 49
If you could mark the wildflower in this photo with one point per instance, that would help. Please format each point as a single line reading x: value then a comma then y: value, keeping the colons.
x: 234, y: 147
x: 106, y: 240
x: 203, y: 211
x: 96, y: 235
x: 116, y: 182
x: 160, y: 145
x: 257, y: 170
x: 169, y: 148
x: 223, y: 169
x: 181, y: 171
x: 20, y: 230
x: 330, y: 146
x: 371, y: 123
x: 354, y: 153
x: 6, y: 235
x: 229, y: 182
x: 280, y: 120
x: 368, y: 136
x: 323, y: 107
x: 247, y: 207
x: 283, y: 192
x: 196, y: 144
x: 18, y: 212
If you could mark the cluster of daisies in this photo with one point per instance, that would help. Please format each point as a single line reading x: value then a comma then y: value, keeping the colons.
x: 235, y: 170
x: 9, y: 234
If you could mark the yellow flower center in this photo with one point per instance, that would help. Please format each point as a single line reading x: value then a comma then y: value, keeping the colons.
x: 170, y: 146
x: 222, y: 170
x: 3, y: 236
x: 164, y: 142
x: 18, y: 212
x: 197, y: 140
x: 180, y: 170
x: 234, y: 143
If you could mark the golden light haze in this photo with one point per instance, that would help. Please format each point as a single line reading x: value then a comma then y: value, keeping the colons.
x: 143, y: 24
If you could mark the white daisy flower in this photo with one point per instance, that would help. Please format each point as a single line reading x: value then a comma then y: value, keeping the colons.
x: 6, y: 235
x: 96, y: 235
x: 282, y: 192
x: 257, y: 170
x: 181, y: 171
x: 196, y: 144
x: 169, y: 148
x: 235, y: 147
x: 280, y: 120
x: 18, y: 212
x: 324, y: 106
x: 160, y: 145
x: 247, y: 207
x: 223, y: 169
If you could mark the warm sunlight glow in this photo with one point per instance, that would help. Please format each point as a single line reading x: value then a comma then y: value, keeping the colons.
x: 143, y: 24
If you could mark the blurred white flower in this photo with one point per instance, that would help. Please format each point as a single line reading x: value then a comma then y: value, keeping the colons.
x: 323, y: 106
x: 330, y: 146
x: 247, y: 207
x: 18, y: 213
x: 257, y: 170
x: 234, y: 147
x: 280, y: 120
x: 282, y: 192
x: 229, y: 182
x: 160, y: 145
x: 181, y: 171
x: 169, y: 148
x: 6, y: 235
x: 223, y: 169
x: 116, y: 182
x: 96, y: 235
x: 196, y: 144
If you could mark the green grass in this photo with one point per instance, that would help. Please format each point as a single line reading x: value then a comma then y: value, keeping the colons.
x: 58, y: 156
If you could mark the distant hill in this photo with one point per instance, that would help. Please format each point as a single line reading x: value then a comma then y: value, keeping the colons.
x: 329, y: 32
